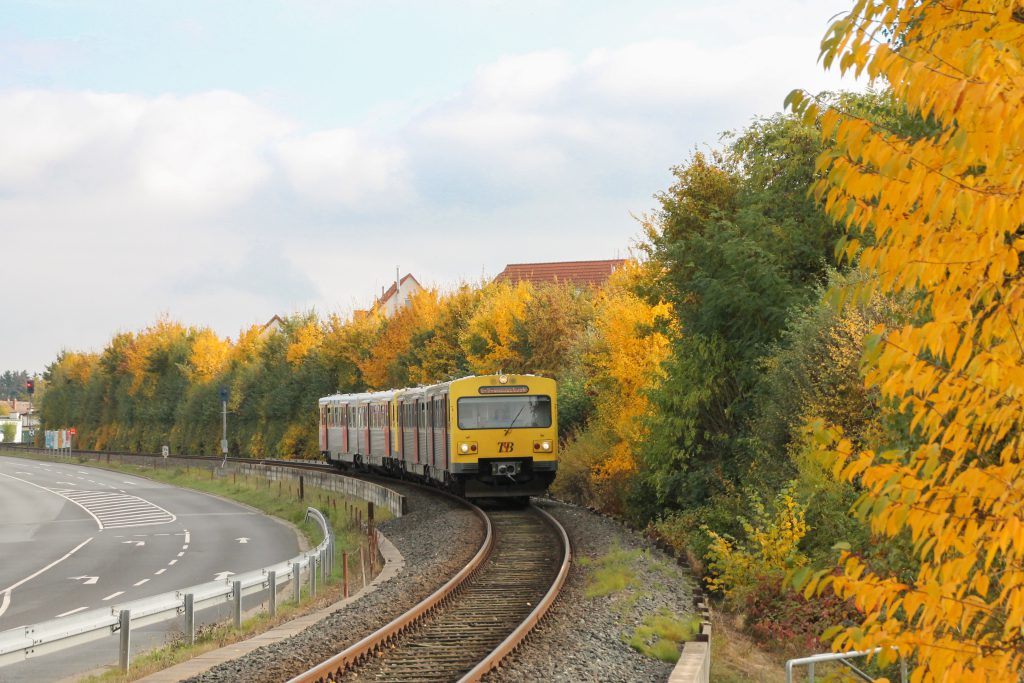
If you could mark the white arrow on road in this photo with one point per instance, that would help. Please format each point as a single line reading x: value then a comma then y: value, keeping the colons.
x: 136, y: 543
x: 89, y: 580
x: 243, y: 539
x: 220, y: 576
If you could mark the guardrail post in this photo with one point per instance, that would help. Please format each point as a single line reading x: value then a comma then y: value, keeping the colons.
x: 344, y: 575
x: 236, y: 589
x: 810, y: 673
x: 272, y: 584
x: 296, y: 583
x: 302, y: 488
x: 312, y: 575
x: 190, y: 618
x: 125, y: 626
x: 323, y: 566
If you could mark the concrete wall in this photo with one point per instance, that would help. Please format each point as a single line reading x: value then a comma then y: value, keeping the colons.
x: 694, y: 665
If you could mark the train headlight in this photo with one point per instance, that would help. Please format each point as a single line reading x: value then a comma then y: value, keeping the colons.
x: 463, y: 448
x: 467, y: 447
x: 543, y: 446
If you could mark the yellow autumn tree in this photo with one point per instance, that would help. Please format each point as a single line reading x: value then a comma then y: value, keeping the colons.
x: 938, y: 216
x: 628, y: 356
x: 210, y: 355
x: 494, y: 339
x: 306, y: 339
x: 386, y: 367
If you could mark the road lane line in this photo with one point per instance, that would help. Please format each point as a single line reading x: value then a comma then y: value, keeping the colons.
x: 70, y: 612
x: 114, y: 595
x: 172, y: 562
x: 139, y: 583
x: 158, y: 572
x: 7, y: 591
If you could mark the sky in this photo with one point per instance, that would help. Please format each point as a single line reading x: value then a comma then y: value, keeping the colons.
x: 218, y: 163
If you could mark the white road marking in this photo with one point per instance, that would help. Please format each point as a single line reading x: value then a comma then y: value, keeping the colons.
x: 220, y: 576
x: 185, y: 547
x: 242, y: 540
x: 7, y: 591
x: 70, y: 612
x: 186, y: 536
x: 181, y: 553
x: 89, y: 580
x: 172, y: 563
x: 114, y: 595
x: 28, y: 473
x: 135, y: 543
x: 158, y: 572
x: 117, y: 510
x: 139, y: 583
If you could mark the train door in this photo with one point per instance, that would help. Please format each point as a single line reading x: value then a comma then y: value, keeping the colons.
x: 323, y: 428
x: 366, y: 429
x: 431, y: 455
x: 344, y: 428
x: 444, y: 430
x: 416, y: 431
x: 399, y: 431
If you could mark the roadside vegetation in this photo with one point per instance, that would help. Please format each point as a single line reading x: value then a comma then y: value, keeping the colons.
x: 807, y: 379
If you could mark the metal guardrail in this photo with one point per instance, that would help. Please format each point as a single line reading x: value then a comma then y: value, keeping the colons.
x: 24, y: 642
x: 843, y: 658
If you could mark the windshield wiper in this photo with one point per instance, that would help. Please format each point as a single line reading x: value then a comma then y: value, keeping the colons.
x: 514, y: 419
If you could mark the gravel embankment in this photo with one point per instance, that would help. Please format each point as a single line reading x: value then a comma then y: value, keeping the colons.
x: 436, y: 538
x: 582, y: 639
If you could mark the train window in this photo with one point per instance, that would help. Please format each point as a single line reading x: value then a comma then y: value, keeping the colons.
x: 504, y: 412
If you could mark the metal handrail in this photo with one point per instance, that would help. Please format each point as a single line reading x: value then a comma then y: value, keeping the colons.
x: 841, y: 657
x: 24, y: 642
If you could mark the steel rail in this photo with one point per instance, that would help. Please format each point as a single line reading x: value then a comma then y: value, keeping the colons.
x: 336, y: 666
x: 509, y: 645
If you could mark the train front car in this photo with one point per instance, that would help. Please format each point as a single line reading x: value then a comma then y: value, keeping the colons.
x: 504, y: 435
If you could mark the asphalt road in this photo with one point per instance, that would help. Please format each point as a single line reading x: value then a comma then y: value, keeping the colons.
x: 74, y: 538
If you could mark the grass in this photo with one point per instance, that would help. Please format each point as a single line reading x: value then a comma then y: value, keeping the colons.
x: 661, y: 635
x: 279, y: 499
x: 612, y: 573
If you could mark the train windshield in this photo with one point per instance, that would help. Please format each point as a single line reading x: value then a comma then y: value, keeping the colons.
x: 505, y: 412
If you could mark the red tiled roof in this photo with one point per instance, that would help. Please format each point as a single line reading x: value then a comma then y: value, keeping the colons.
x: 577, y: 272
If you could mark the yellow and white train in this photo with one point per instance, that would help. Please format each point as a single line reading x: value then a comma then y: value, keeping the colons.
x: 481, y: 437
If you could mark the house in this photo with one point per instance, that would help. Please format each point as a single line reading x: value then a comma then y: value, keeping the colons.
x: 394, y: 298
x: 272, y: 326
x: 23, y: 419
x: 579, y: 273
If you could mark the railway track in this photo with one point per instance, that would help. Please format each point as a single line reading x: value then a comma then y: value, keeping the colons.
x: 471, y: 623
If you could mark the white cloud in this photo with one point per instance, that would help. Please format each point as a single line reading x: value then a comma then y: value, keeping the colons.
x: 205, y: 151
x: 342, y: 167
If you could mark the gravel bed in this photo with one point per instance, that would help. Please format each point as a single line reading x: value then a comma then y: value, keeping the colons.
x: 583, y: 639
x: 437, y: 538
